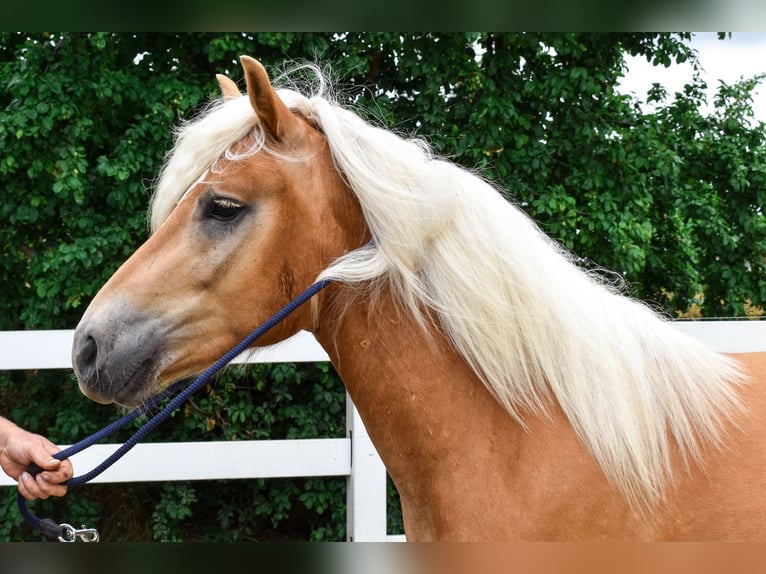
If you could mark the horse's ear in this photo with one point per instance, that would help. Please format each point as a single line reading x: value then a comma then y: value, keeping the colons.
x: 229, y: 89
x: 276, y: 119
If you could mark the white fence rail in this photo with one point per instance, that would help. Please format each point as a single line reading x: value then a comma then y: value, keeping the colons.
x: 353, y: 457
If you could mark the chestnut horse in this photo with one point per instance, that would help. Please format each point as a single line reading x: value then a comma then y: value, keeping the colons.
x: 511, y: 395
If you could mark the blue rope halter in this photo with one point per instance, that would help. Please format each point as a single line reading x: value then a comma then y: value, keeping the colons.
x: 65, y: 532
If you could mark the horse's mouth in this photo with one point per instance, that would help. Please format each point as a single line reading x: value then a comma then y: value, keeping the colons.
x: 139, y: 386
x: 129, y: 390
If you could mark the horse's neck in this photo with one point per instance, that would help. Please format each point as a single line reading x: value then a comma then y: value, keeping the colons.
x: 443, y: 437
x: 413, y: 391
x: 464, y: 468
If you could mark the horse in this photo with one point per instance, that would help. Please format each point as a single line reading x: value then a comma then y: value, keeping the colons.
x: 512, y: 394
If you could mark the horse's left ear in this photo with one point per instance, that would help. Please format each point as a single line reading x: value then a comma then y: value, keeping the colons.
x: 229, y: 89
x: 276, y: 119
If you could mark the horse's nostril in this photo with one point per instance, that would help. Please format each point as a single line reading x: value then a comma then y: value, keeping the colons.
x: 86, y: 353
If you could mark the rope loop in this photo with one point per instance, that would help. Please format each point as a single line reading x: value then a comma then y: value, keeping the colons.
x: 66, y: 533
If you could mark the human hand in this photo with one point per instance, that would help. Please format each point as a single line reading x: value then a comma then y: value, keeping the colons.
x: 19, y: 448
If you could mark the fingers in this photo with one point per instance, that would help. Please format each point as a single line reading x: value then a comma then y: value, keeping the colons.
x: 25, y: 447
x: 43, y: 485
x: 42, y: 454
x: 64, y: 472
x: 46, y: 483
x: 54, y: 471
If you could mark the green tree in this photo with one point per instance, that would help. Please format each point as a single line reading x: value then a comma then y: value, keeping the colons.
x: 670, y: 199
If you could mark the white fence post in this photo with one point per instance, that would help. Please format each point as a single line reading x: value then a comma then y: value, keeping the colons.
x: 366, y: 486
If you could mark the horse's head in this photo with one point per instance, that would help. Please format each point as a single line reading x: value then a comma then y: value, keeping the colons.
x: 254, y: 230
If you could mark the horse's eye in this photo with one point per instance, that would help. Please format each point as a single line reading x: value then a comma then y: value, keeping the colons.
x: 223, y: 209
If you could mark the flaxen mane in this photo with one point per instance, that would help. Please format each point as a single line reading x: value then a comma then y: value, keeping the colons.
x: 533, y: 326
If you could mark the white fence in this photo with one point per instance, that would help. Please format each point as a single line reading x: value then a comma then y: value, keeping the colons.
x: 353, y: 457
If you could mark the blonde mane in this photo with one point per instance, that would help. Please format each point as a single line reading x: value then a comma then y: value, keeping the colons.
x: 533, y: 326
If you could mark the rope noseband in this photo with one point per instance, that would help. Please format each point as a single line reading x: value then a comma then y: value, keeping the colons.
x: 65, y: 532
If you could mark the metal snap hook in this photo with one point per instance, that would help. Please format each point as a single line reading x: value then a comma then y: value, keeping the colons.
x: 72, y: 534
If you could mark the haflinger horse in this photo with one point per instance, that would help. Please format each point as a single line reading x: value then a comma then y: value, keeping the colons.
x: 511, y: 394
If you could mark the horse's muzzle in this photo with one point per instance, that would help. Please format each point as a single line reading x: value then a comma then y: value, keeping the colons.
x: 116, y: 360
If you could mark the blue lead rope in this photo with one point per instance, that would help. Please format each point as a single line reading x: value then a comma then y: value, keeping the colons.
x: 67, y: 533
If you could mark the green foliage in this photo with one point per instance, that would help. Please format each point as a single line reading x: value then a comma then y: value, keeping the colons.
x: 174, y: 506
x: 671, y: 199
